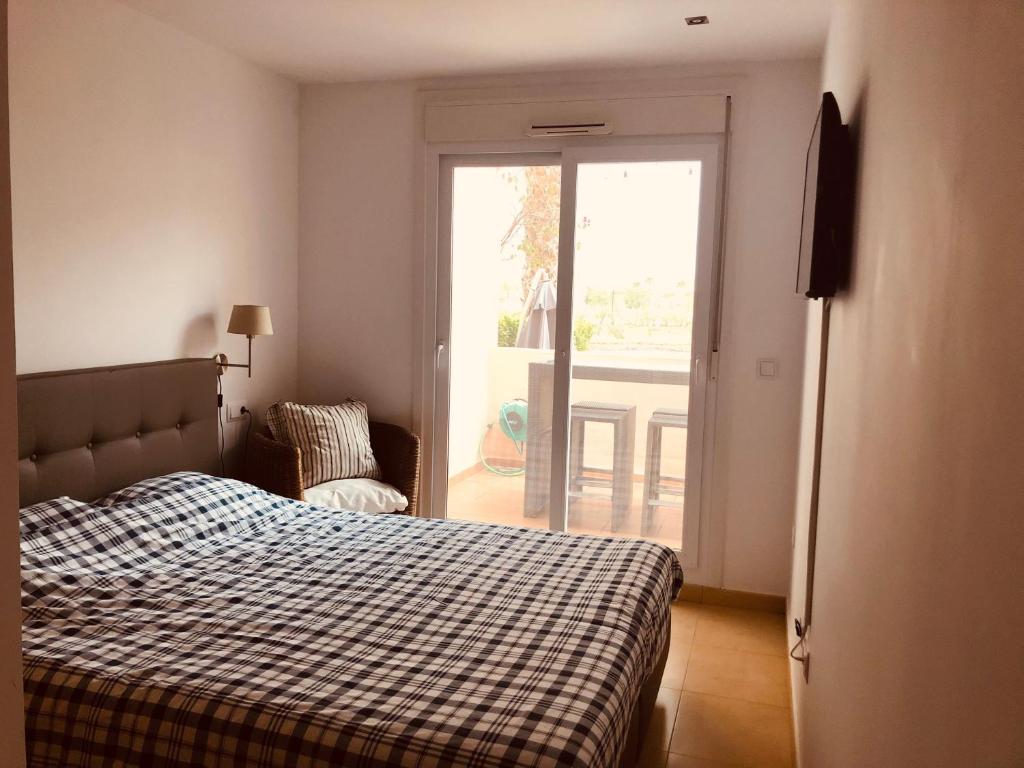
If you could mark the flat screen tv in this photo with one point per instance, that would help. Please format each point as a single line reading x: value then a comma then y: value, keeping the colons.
x: 828, y: 196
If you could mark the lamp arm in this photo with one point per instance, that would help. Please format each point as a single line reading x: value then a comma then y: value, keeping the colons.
x: 222, y: 359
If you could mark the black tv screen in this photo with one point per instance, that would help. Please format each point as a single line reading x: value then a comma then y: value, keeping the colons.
x: 824, y: 231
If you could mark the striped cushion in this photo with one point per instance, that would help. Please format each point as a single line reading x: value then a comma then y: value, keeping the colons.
x: 334, y: 440
x: 275, y: 423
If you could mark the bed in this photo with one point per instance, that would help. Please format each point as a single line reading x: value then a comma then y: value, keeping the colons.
x: 187, y: 619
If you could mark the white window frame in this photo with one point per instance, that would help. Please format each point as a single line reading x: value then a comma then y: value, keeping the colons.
x: 433, y: 358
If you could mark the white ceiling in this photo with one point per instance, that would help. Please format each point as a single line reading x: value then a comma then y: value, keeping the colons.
x: 335, y: 40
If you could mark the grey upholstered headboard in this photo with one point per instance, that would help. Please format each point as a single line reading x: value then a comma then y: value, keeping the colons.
x: 89, y: 432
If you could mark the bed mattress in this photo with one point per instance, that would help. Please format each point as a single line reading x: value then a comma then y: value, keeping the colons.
x: 192, y: 620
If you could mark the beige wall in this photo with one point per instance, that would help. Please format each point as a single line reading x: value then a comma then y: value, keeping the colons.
x: 12, y: 732
x: 356, y: 208
x: 758, y: 419
x: 154, y: 185
x: 361, y: 262
x: 916, y: 637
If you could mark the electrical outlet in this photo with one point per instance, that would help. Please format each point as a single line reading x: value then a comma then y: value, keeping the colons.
x: 234, y: 411
x: 767, y: 368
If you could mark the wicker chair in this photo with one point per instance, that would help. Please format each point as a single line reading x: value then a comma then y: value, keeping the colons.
x: 277, y: 467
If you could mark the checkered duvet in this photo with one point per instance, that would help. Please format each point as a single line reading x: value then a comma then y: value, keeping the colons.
x: 191, y: 620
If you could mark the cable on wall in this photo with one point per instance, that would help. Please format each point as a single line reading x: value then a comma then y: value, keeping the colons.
x: 220, y: 423
x: 819, y: 423
x: 802, y: 628
x: 803, y: 658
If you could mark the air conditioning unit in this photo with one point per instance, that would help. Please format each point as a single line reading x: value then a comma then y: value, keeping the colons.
x: 538, y: 130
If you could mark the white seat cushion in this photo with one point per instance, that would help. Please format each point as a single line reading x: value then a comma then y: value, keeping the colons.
x: 357, y: 495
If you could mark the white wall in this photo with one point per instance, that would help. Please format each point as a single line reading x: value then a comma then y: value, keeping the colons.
x: 361, y: 254
x: 758, y: 419
x: 12, y: 730
x: 916, y: 636
x: 154, y: 185
x: 356, y: 208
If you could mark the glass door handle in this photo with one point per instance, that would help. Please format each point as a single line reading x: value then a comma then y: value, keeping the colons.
x: 438, y: 351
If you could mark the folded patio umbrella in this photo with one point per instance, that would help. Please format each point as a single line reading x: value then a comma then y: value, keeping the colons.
x: 537, y: 329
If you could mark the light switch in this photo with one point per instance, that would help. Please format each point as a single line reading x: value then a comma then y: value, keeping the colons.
x: 767, y: 368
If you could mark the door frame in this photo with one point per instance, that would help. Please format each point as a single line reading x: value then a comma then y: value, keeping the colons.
x: 707, y: 154
x: 440, y: 361
x: 695, y: 559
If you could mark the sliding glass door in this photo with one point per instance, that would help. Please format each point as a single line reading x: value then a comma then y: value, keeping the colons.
x: 502, y: 247
x: 573, y: 310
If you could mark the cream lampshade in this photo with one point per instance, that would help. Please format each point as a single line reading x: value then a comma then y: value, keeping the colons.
x: 250, y: 320
x: 247, y: 320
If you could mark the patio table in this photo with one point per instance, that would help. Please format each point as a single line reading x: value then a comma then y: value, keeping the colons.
x: 538, y: 425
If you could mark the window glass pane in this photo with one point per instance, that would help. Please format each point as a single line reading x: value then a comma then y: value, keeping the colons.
x: 632, y: 324
x: 503, y: 286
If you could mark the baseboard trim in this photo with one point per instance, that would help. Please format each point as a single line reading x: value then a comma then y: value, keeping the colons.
x: 733, y: 598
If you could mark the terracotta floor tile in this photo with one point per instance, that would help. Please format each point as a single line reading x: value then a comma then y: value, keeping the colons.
x: 733, y: 731
x: 652, y: 759
x: 675, y: 664
x: 684, y: 618
x: 740, y: 675
x: 659, y: 732
x: 685, y: 761
x: 490, y: 498
x: 741, y: 630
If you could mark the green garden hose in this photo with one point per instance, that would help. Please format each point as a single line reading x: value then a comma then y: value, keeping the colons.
x: 512, y: 416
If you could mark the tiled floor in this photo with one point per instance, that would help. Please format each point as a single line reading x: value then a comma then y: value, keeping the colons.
x: 490, y: 498
x: 724, y: 699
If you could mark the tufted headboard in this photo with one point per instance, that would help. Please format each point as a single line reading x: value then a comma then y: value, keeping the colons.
x: 89, y: 432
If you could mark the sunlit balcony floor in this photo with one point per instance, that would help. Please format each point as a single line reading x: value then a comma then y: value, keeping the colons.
x: 486, y: 497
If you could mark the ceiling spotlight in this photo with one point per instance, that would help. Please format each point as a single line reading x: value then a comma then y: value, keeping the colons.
x: 696, y: 21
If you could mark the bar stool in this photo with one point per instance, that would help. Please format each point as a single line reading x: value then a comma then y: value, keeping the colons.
x: 623, y: 420
x: 654, y: 482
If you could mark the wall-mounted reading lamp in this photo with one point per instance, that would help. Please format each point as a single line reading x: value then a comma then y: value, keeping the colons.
x: 247, y: 320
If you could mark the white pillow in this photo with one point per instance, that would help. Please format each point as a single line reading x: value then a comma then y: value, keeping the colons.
x: 357, y: 495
